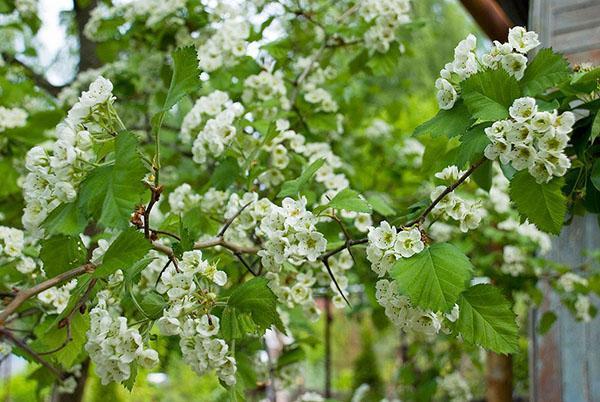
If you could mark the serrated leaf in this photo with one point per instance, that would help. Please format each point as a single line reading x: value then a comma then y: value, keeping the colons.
x: 110, y: 193
x: 61, y: 253
x: 254, y: 301
x: 449, y: 123
x: 380, y: 205
x: 186, y: 76
x: 472, y: 145
x: 348, y: 200
x: 50, y: 337
x: 129, y: 247
x: 546, y: 70
x: 489, y: 93
x: 9, y: 178
x: 293, y: 187
x: 486, y: 319
x: 137, y: 268
x: 226, y: 172
x: 435, y: 277
x: 543, y: 204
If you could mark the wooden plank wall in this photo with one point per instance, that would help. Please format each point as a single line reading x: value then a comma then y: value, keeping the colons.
x: 565, y: 362
x: 569, y: 26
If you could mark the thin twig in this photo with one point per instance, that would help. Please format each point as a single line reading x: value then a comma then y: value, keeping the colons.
x: 229, y: 221
x: 243, y: 261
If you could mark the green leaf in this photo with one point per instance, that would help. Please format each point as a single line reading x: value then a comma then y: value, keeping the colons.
x: 380, y: 205
x: 9, y: 178
x: 483, y: 175
x: 546, y: 322
x: 111, y: 193
x: 128, y: 248
x: 348, y: 200
x: 449, y: 123
x: 472, y: 145
x: 486, y: 319
x: 186, y: 76
x: 252, y: 307
x: 546, y: 70
x: 61, y: 253
x: 153, y: 305
x: 543, y: 204
x: 225, y: 173
x: 293, y: 187
x: 50, y: 337
x: 137, y: 268
x: 489, y: 94
x: 435, y: 277
x: 65, y: 219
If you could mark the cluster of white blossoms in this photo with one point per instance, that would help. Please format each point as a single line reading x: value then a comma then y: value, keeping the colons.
x: 468, y: 213
x: 528, y: 230
x: 12, y: 242
x: 26, y: 7
x: 228, y: 43
x: 387, y: 245
x: 513, y: 260
x: 455, y: 387
x: 5, y: 349
x: 583, y: 308
x: 55, y: 173
x: 200, y: 347
x: 266, y: 86
x: 203, y: 351
x: 113, y: 346
x: 510, y: 56
x: 531, y: 139
x: 183, y: 198
x: 12, y: 118
x: 219, y: 130
x: 312, y: 84
x: 386, y: 17
x: 568, y: 281
x: 150, y: 11
x: 400, y: 311
x: 57, y: 297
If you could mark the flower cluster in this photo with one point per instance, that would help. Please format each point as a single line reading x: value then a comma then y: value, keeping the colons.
x: 55, y: 174
x: 583, y: 308
x: 455, y: 387
x: 219, y: 130
x: 58, y: 297
x: 183, y: 198
x: 26, y: 7
x: 12, y: 242
x: 266, y: 86
x: 509, y: 56
x: 203, y: 351
x: 312, y: 84
x: 114, y: 346
x: 11, y: 118
x: 568, y: 281
x: 387, y: 245
x: 386, y: 17
x: 513, y: 260
x: 5, y: 349
x: 468, y: 213
x: 531, y: 139
x: 228, y: 43
x: 400, y: 311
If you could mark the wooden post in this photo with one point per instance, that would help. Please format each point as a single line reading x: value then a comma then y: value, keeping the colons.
x: 499, y: 377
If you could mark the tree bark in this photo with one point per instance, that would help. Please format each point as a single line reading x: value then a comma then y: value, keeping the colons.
x: 499, y: 377
x: 88, y: 57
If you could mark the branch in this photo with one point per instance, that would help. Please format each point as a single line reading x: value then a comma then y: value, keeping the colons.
x: 25, y: 294
x: 154, y: 197
x: 38, y: 79
x: 447, y: 191
x: 230, y: 220
x: 21, y: 344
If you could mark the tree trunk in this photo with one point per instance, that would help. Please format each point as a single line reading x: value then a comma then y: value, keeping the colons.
x: 498, y: 377
x: 87, y: 49
x: 77, y: 395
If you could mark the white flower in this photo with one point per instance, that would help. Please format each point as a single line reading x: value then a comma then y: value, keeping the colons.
x: 523, y: 109
x: 148, y: 358
x: 522, y: 40
x: 409, y: 243
x: 582, y: 307
x: 382, y: 237
x: 514, y: 64
x: 446, y: 95
x: 208, y: 325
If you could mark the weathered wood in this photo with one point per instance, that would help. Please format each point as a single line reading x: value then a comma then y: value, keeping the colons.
x: 499, y: 378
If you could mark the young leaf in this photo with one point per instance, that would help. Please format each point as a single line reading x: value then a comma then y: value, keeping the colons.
x: 435, y: 277
x: 546, y: 322
x: 380, y: 205
x: 252, y: 308
x: 449, y: 123
x: 348, y: 200
x: 65, y: 219
x: 153, y: 305
x: 472, y: 145
x: 50, y: 337
x: 543, y: 204
x: 61, y: 253
x: 293, y: 187
x: 110, y: 193
x: 546, y: 70
x: 129, y: 247
x: 185, y: 77
x: 489, y: 94
x: 486, y: 319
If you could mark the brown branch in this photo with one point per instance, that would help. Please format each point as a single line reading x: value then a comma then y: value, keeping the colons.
x: 25, y: 294
x: 154, y: 197
x: 230, y: 220
x: 447, y: 191
x: 21, y: 344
